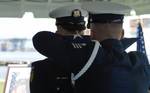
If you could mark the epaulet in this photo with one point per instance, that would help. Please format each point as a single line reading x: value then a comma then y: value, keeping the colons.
x: 127, y: 42
x: 138, y: 58
x: 78, y: 42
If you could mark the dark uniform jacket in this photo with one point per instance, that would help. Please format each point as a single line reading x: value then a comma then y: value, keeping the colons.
x: 53, y: 74
x: 113, y: 70
x: 116, y: 71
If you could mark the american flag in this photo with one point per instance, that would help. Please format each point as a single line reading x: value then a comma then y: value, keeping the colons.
x: 140, y: 41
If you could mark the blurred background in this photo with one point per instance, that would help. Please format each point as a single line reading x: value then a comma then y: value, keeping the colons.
x: 21, y: 19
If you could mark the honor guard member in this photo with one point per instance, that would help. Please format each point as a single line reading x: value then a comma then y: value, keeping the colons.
x: 64, y: 50
x: 114, y: 70
x: 70, y: 20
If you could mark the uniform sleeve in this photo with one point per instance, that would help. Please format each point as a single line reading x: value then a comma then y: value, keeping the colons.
x: 38, y: 78
x: 143, y: 60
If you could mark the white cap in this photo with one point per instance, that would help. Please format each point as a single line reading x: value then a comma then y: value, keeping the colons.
x: 66, y: 11
x: 106, y: 7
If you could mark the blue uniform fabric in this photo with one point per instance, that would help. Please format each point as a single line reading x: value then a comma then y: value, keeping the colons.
x: 113, y: 70
x: 116, y: 71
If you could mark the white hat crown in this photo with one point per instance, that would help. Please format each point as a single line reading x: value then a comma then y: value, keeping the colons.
x: 105, y: 7
x: 66, y: 11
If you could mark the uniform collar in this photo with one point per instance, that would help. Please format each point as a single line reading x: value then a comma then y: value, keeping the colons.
x: 82, y: 39
x: 118, y: 45
x: 112, y: 44
x: 127, y: 42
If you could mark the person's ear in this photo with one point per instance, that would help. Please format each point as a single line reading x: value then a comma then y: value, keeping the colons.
x: 59, y: 29
x: 122, y: 34
x: 88, y: 25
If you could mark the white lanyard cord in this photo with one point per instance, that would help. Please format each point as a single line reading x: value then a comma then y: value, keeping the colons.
x: 88, y: 64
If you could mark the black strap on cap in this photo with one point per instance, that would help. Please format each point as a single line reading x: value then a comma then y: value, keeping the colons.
x: 71, y: 23
x: 105, y: 18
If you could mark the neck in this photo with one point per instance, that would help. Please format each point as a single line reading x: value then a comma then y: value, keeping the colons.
x: 102, y: 32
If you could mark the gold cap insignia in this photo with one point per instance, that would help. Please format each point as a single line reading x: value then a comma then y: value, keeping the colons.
x: 76, y: 13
